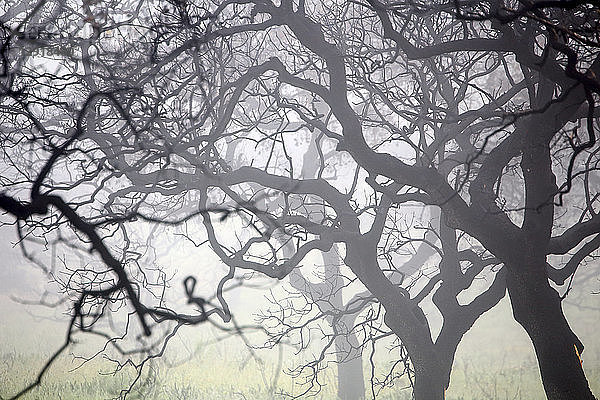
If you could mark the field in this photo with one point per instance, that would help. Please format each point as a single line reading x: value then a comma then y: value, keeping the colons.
x: 494, y: 361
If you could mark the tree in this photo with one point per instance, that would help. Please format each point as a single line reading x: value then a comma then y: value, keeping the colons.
x: 499, y: 122
x: 63, y: 80
x: 558, y: 47
x: 180, y: 113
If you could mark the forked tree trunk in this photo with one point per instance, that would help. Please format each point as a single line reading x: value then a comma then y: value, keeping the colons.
x: 431, y: 368
x: 411, y: 327
x: 537, y: 307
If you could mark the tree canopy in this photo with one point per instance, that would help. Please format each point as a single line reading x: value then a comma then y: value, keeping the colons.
x: 269, y: 132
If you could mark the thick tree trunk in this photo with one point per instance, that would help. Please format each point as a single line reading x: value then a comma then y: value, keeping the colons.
x: 537, y: 307
x: 431, y: 368
x: 430, y: 383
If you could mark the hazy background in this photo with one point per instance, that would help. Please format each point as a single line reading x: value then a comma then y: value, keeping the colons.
x: 495, y: 359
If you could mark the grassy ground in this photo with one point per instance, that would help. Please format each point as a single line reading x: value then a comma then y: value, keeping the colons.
x: 199, y: 379
x: 495, y: 361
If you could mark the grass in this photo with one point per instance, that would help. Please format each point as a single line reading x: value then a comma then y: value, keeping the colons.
x: 210, y: 376
x: 495, y: 361
x: 198, y: 379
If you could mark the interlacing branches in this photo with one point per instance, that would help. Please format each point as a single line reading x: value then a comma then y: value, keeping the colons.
x: 426, y: 146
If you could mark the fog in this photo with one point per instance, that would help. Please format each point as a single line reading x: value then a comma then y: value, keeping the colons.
x: 299, y: 199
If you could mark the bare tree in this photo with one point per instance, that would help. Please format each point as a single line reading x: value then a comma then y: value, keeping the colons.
x: 76, y: 115
x: 194, y: 113
x: 555, y: 46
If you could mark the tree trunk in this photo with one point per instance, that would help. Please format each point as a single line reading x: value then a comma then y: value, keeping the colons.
x: 406, y: 321
x: 431, y: 367
x: 537, y: 307
x: 351, y: 381
x: 430, y: 383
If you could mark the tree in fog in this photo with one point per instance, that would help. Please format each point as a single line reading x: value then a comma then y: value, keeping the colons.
x: 74, y: 119
x: 121, y: 117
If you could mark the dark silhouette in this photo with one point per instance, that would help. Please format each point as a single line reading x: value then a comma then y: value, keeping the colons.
x: 278, y: 130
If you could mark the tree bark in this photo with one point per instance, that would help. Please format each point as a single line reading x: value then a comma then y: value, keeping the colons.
x: 538, y: 309
x: 350, y: 377
x: 430, y: 381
